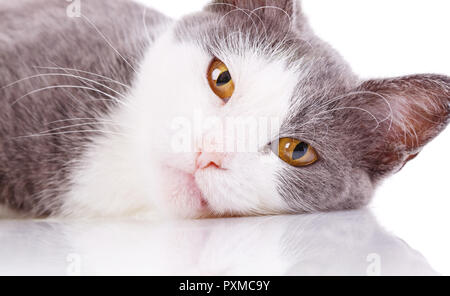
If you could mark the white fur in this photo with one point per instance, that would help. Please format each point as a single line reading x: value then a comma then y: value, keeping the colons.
x: 135, y: 170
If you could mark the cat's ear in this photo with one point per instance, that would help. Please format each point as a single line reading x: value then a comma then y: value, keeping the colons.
x: 281, y: 10
x: 402, y: 115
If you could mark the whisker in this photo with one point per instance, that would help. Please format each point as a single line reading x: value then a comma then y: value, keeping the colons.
x: 276, y: 8
x: 75, y: 119
x: 108, y: 42
x: 353, y: 108
x: 85, y: 72
x: 144, y: 20
x: 80, y: 78
x: 82, y: 124
x: 65, y: 75
x: 70, y: 132
x: 236, y: 8
x: 391, y: 112
x: 71, y: 86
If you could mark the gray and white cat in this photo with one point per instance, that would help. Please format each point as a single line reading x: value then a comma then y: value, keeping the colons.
x: 121, y: 111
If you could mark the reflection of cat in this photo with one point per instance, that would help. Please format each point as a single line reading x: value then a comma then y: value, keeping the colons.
x: 318, y: 244
x: 92, y: 109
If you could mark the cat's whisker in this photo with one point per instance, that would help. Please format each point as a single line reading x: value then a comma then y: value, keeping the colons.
x: 297, y: 105
x: 65, y: 75
x: 290, y: 21
x: 85, y: 124
x: 73, y: 87
x: 76, y: 119
x: 144, y: 20
x: 223, y: 4
x: 280, y: 9
x: 262, y: 23
x: 85, y: 72
x: 353, y: 108
x: 71, y: 132
x: 275, y: 8
x: 84, y: 81
x: 237, y: 10
x: 108, y: 42
x: 391, y: 112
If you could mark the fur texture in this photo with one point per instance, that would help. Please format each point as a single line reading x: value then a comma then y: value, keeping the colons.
x: 93, y: 110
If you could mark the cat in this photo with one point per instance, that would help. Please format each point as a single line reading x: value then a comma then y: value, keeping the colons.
x: 121, y: 111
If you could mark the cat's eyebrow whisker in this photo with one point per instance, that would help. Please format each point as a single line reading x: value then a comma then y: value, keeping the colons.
x: 275, y: 8
x: 391, y: 112
x: 237, y: 10
x: 240, y: 9
x: 84, y: 72
x: 247, y: 12
x: 285, y: 12
x: 108, y: 42
x: 75, y: 87
x: 353, y: 108
x: 262, y: 23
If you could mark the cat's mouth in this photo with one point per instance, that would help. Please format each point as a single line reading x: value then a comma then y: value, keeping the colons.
x: 186, y: 195
x: 196, y: 193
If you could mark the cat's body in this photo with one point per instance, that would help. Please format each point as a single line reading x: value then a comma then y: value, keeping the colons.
x: 91, y: 106
x: 35, y: 172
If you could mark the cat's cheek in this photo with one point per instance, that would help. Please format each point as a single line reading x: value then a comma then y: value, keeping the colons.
x: 248, y: 187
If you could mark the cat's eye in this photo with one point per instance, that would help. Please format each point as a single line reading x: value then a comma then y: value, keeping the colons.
x: 220, y: 80
x: 295, y: 152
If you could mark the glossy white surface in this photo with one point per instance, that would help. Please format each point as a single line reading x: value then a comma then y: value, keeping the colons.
x: 346, y: 243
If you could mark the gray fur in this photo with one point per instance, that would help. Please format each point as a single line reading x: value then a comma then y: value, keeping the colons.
x: 354, y: 125
x: 37, y: 33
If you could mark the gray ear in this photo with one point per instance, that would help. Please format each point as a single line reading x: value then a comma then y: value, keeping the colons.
x: 280, y: 10
x: 403, y: 115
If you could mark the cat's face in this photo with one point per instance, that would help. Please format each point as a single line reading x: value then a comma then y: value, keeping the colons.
x: 243, y: 111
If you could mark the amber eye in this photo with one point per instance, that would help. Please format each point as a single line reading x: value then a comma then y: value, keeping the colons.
x: 220, y: 80
x: 295, y: 152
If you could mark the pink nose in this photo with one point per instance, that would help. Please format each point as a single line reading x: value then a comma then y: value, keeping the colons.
x: 205, y: 160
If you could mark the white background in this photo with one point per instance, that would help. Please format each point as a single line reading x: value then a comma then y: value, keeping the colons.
x: 391, y: 38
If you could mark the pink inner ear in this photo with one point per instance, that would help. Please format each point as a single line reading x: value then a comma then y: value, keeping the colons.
x: 420, y: 111
x: 420, y: 107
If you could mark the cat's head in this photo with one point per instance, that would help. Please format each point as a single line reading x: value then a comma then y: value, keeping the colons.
x: 255, y: 67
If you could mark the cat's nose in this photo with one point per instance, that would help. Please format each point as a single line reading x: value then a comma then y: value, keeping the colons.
x: 210, y: 159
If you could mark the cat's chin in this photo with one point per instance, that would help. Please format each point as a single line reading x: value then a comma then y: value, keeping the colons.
x: 185, y: 198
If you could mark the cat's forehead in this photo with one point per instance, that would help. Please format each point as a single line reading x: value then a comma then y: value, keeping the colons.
x: 237, y: 33
x: 299, y: 49
x: 307, y: 69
